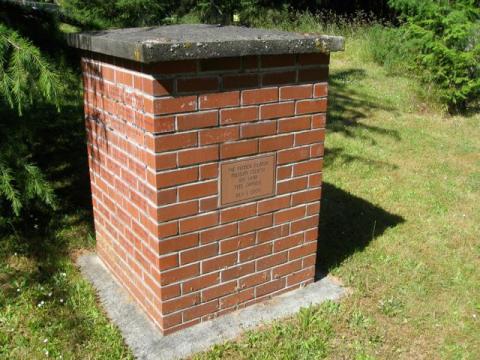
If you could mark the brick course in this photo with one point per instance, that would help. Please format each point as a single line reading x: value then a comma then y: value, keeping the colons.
x: 157, y: 134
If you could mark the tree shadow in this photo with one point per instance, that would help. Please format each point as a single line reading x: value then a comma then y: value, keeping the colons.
x: 333, y: 154
x: 347, y: 225
x: 348, y: 107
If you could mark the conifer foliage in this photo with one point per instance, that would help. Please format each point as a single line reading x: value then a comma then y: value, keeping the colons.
x: 26, y: 79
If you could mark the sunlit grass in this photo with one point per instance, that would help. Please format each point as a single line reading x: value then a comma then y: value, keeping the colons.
x: 400, y: 226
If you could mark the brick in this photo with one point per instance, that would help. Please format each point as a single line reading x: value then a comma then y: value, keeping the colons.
x: 318, y: 121
x: 175, y: 141
x: 218, y: 233
x: 237, y: 243
x: 311, y: 106
x: 284, y: 172
x: 198, y: 120
x: 304, y: 250
x: 238, y: 213
x: 309, y: 260
x: 315, y: 180
x: 317, y: 150
x: 172, y: 67
x: 177, y: 177
x: 256, y: 223
x: 254, y: 279
x: 238, y: 271
x: 197, y: 84
x: 221, y: 262
x: 124, y: 78
x: 314, y: 208
x: 225, y: 63
x: 171, y: 320
x: 198, y: 222
x: 240, y: 81
x: 304, y: 224
x: 168, y: 262
x: 108, y: 73
x: 308, y: 167
x: 289, y: 215
x: 209, y: 204
x: 287, y: 242
x: 286, y: 269
x: 258, y: 129
x: 274, y: 204
x: 197, y: 190
x: 273, y: 111
x: 270, y: 287
x: 180, y: 303
x: 167, y: 229
x: 199, y: 253
x: 178, y: 274
x: 301, y: 276
x: 276, y: 143
x: 236, y: 299
x: 294, y: 124
x: 320, y: 90
x: 251, y: 62
x: 176, y: 211
x: 198, y: 155
x: 200, y: 310
x: 238, y: 115
x: 178, y: 243
x: 238, y: 149
x: 218, y: 135
x: 259, y: 96
x: 164, y: 161
x: 313, y: 59
x: 277, y: 60
x: 161, y: 124
x: 313, y: 74
x: 310, y: 137
x: 157, y: 87
x: 200, y: 282
x: 208, y: 171
x: 296, y: 92
x: 272, y: 233
x: 182, y: 326
x: 272, y: 260
x: 306, y: 196
x: 279, y: 78
x: 170, y: 292
x: 255, y: 252
x: 219, y: 100
x: 165, y: 197
x: 218, y: 291
x: 293, y: 155
x: 174, y: 105
x: 292, y: 185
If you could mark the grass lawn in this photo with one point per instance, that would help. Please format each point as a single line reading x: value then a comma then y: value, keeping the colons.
x: 400, y: 226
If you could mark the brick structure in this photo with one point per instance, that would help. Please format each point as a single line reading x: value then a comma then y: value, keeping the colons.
x: 179, y: 154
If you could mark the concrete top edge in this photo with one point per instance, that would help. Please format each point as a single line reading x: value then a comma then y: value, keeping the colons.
x: 182, y: 42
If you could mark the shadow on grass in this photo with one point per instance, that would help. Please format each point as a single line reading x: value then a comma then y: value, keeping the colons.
x: 348, y: 106
x: 347, y: 225
x: 338, y: 154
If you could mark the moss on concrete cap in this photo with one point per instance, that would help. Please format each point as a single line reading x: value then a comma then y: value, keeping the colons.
x: 181, y: 42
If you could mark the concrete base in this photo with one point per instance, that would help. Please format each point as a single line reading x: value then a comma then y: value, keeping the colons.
x: 145, y: 340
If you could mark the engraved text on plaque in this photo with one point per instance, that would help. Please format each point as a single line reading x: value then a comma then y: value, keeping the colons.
x: 247, y: 179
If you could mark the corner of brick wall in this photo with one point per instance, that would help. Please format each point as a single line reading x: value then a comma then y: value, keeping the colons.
x: 157, y: 135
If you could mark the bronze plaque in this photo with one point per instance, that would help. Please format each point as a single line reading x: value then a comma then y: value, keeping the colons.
x: 249, y: 179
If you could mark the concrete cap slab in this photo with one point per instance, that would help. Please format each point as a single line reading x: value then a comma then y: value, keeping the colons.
x: 199, y: 41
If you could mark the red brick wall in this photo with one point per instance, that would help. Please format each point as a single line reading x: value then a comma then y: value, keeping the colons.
x: 157, y: 135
